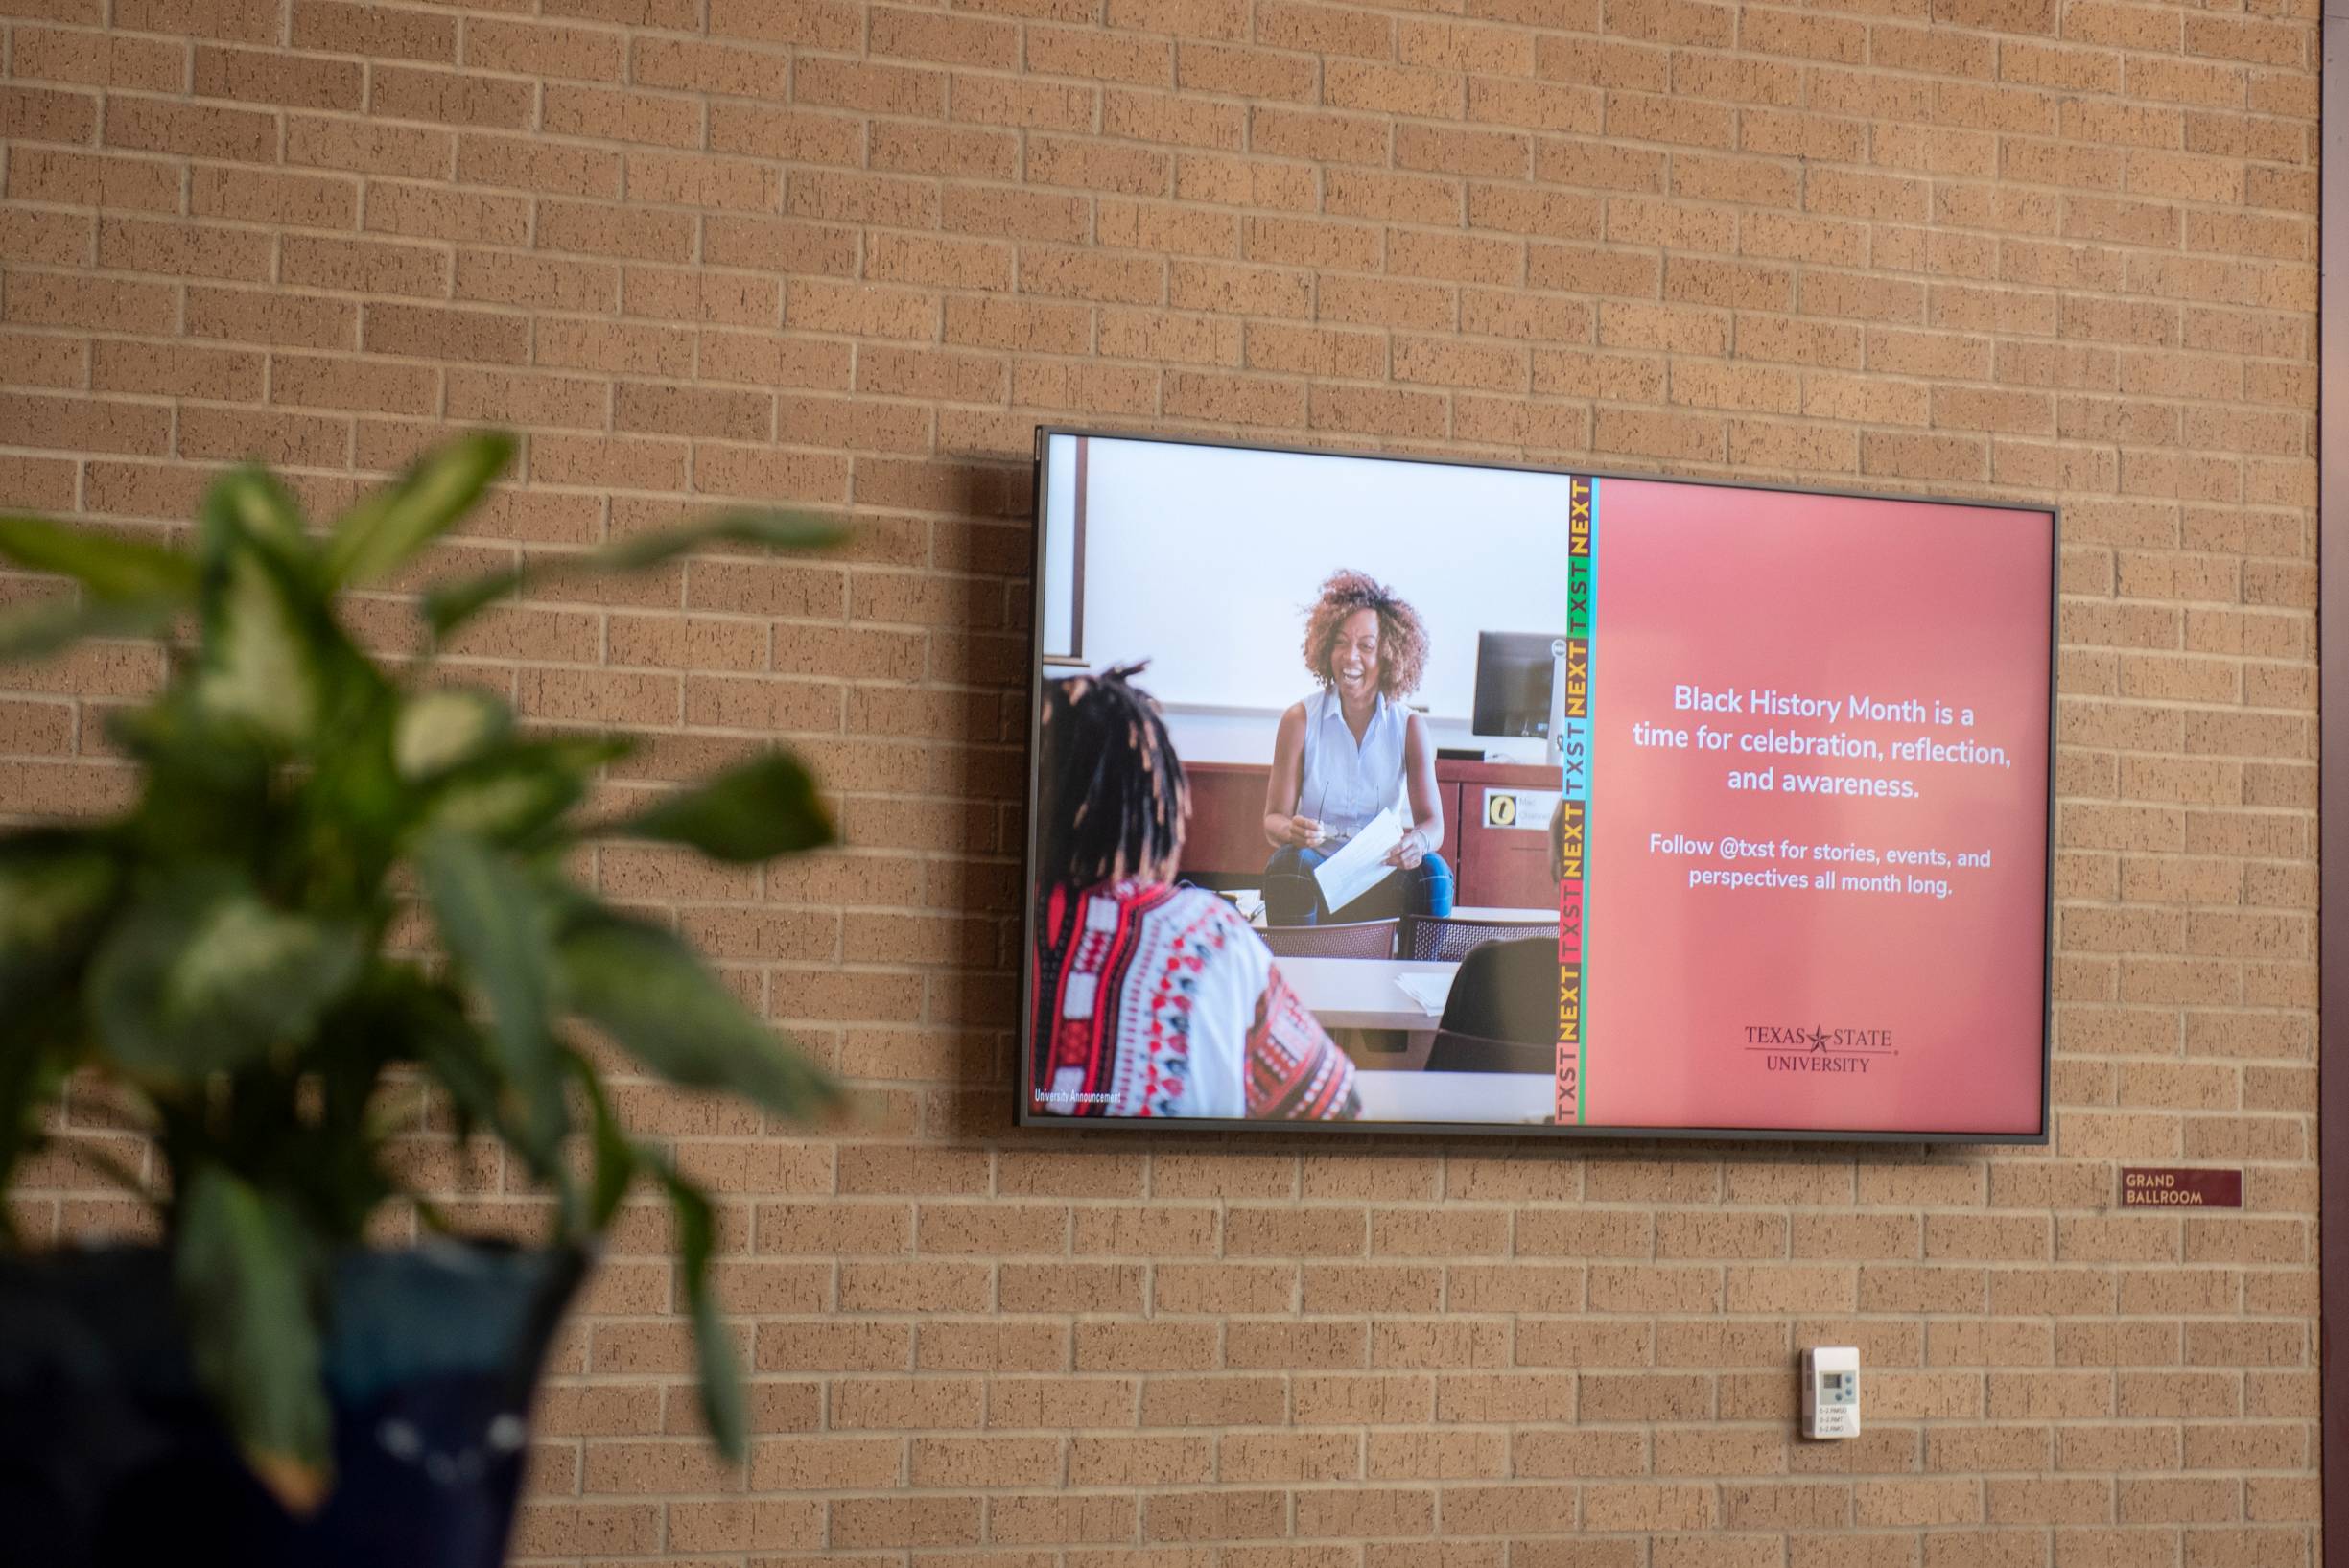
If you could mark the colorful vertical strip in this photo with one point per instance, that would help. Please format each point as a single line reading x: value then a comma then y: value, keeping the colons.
x: 1574, y: 811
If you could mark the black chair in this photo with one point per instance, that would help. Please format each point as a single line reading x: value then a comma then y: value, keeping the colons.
x: 1356, y: 939
x: 1431, y: 939
x: 1470, y: 1053
x: 1507, y: 990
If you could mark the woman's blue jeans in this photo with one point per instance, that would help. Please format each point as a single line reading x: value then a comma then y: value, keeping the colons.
x: 1293, y: 896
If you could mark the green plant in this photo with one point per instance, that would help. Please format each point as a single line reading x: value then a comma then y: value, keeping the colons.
x: 221, y: 952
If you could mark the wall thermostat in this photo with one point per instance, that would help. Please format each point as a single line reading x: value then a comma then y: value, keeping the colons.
x: 1831, y: 1392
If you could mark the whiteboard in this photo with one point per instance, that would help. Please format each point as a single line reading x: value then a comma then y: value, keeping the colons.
x: 1205, y: 561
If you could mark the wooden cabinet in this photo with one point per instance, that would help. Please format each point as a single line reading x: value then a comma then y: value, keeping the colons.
x: 1225, y: 844
x: 1494, y: 863
x: 1501, y: 862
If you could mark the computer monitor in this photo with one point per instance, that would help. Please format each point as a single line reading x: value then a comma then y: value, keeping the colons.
x: 1516, y: 685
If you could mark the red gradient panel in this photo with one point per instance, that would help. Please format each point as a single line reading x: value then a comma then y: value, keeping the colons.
x: 1785, y: 1007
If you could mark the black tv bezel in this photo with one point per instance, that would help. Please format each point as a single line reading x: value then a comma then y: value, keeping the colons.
x: 1023, y: 1050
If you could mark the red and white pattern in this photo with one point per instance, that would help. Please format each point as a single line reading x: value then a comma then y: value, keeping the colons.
x: 1158, y: 1000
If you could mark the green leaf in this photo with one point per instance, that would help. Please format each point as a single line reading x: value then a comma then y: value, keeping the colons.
x: 275, y: 662
x: 351, y: 810
x: 202, y: 975
x: 498, y: 929
x: 130, y: 589
x: 30, y: 1077
x: 615, y: 1158
x: 55, y: 888
x: 206, y: 784
x: 176, y: 734
x: 580, y: 754
x: 448, y: 607
x: 37, y: 630
x: 459, y: 1058
x: 765, y: 807
x: 649, y: 989
x: 249, y: 502
x: 385, y: 531
x: 510, y: 805
x: 509, y: 798
x: 263, y: 664
x: 517, y: 792
x: 245, y: 1279
x: 724, y: 1406
x: 443, y: 730
x: 111, y: 569
x: 437, y: 1031
x: 751, y: 525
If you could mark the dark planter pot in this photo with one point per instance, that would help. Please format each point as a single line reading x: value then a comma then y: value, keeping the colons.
x: 110, y: 1458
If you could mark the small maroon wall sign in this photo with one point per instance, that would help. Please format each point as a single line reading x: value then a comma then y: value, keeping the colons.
x: 2167, y: 1187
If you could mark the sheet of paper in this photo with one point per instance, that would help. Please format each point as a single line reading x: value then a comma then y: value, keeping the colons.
x: 1429, y: 988
x: 1361, y: 864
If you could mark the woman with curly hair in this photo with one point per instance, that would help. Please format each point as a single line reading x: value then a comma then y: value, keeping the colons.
x: 1348, y: 752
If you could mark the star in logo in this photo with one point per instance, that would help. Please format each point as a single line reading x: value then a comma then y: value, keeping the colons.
x: 1819, y: 1039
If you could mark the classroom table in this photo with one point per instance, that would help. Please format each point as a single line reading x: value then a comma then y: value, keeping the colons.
x: 1457, y: 1096
x: 1360, y: 993
x: 1499, y: 913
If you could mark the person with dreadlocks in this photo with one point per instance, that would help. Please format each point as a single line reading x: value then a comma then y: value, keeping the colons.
x: 1346, y: 752
x: 1152, y: 998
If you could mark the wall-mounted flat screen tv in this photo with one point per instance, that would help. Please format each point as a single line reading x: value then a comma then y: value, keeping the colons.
x: 1407, y: 794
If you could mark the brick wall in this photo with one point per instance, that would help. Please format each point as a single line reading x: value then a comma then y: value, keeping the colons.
x: 849, y: 254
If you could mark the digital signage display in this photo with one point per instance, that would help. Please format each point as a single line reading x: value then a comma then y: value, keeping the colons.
x: 1402, y: 793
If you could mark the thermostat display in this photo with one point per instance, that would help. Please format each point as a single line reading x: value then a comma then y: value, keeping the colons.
x: 1831, y: 1392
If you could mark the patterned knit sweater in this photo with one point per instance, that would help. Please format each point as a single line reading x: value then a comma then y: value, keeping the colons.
x: 1159, y: 1000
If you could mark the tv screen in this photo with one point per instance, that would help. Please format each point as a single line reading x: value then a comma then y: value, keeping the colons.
x: 1395, y: 793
